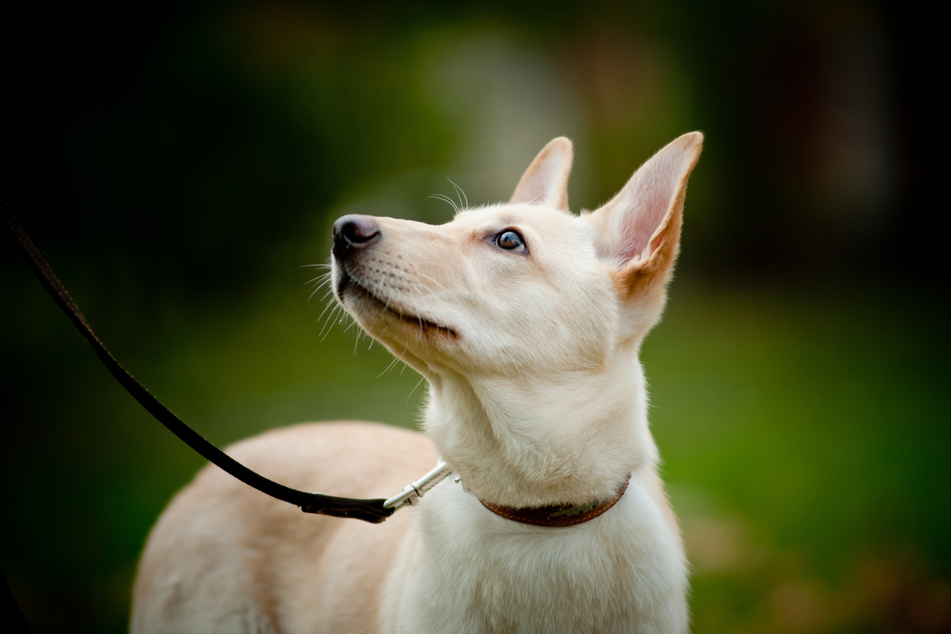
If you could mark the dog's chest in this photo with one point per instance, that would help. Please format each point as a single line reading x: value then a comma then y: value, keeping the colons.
x: 488, y: 574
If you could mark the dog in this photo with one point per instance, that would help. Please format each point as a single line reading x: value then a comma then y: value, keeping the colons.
x: 526, y: 322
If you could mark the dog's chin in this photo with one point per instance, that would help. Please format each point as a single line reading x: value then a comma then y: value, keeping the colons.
x: 370, y: 309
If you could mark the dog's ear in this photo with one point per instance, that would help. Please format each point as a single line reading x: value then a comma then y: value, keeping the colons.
x: 639, y: 229
x: 546, y: 179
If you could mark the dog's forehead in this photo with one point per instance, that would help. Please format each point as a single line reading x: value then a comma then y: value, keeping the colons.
x: 536, y: 217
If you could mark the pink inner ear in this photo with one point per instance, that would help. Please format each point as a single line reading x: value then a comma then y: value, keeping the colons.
x: 645, y: 212
x: 538, y: 187
x: 629, y: 248
x: 632, y: 224
x: 546, y: 179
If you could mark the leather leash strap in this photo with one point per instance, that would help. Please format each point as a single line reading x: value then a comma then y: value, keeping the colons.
x: 369, y: 510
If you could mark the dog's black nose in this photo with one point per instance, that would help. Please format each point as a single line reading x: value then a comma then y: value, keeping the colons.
x: 352, y: 232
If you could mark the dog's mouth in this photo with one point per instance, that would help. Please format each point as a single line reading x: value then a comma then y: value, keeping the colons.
x: 347, y: 284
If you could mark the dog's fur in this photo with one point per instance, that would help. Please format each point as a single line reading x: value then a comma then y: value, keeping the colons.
x: 536, y: 397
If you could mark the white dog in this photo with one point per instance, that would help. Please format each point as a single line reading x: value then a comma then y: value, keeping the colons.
x: 526, y: 321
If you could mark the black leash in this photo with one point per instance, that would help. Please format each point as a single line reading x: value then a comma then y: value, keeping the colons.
x: 368, y: 510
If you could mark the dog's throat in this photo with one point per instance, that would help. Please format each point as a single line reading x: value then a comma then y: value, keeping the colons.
x: 558, y: 516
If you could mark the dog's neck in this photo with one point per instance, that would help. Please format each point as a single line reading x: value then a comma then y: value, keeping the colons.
x: 509, y: 442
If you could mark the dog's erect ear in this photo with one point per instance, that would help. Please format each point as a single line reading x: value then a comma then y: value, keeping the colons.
x: 640, y: 228
x: 546, y: 179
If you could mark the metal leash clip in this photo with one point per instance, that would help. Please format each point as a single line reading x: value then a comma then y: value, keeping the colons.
x: 415, y: 490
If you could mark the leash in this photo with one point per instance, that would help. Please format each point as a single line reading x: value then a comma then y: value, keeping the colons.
x: 368, y: 510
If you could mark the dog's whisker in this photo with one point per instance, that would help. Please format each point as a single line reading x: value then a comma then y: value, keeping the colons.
x: 322, y: 278
x: 463, y: 199
x: 431, y: 279
x: 415, y: 387
x: 332, y: 318
x: 331, y: 306
x: 328, y: 322
x: 316, y: 283
x: 446, y: 199
x: 317, y: 289
x: 389, y: 367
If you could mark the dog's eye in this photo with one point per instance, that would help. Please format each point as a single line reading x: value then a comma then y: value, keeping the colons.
x: 510, y: 241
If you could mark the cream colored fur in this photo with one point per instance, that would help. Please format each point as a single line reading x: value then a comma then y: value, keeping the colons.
x: 536, y: 397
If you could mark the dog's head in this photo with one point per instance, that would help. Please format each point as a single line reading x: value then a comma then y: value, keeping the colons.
x: 524, y: 297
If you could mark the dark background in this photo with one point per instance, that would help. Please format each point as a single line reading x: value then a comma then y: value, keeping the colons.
x: 180, y: 165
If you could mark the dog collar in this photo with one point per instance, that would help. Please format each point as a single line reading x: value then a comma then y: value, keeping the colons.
x: 558, y: 516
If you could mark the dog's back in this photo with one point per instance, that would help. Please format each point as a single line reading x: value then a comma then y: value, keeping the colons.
x: 225, y: 558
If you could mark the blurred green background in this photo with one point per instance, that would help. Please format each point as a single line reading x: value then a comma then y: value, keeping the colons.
x: 180, y: 165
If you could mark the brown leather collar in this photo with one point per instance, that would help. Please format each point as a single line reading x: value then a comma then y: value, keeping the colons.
x: 557, y: 516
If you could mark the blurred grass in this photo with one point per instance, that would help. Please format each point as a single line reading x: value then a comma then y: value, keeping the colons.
x: 805, y: 449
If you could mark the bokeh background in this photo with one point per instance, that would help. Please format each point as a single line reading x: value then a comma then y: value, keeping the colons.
x: 180, y: 165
